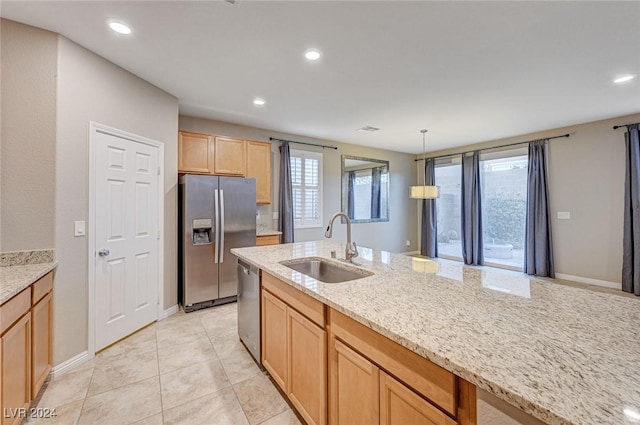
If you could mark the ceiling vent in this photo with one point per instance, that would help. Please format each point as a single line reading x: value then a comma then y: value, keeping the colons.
x: 368, y: 128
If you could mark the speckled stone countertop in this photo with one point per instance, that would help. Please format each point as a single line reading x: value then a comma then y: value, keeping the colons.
x: 20, y: 269
x: 562, y: 354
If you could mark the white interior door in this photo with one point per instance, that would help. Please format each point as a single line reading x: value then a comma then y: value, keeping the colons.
x: 126, y: 237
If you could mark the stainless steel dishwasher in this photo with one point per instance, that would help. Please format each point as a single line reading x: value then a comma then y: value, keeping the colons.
x: 249, y: 308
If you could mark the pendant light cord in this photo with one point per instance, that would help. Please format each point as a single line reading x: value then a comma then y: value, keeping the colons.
x: 424, y: 154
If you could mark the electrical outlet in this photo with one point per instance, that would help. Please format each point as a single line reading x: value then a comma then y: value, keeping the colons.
x: 564, y: 215
x: 408, y: 242
x: 275, y: 215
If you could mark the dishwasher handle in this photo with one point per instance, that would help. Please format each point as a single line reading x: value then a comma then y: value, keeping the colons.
x: 246, y: 268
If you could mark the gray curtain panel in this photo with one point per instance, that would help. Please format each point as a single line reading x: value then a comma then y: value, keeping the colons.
x: 375, y: 192
x: 351, y: 194
x: 631, y: 238
x: 429, y: 230
x: 286, y: 194
x: 538, y: 252
x: 471, y: 205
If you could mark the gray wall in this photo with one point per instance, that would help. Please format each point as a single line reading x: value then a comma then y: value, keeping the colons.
x: 390, y: 236
x: 586, y: 178
x: 93, y: 89
x: 28, y: 136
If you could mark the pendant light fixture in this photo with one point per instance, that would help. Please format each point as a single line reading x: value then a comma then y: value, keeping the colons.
x: 424, y: 191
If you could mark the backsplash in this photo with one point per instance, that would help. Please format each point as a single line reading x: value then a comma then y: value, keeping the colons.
x: 21, y: 258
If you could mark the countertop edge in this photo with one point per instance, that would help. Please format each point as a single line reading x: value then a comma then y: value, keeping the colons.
x: 30, y: 278
x: 516, y: 400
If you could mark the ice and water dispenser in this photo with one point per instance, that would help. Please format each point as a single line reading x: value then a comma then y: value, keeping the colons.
x: 202, y: 231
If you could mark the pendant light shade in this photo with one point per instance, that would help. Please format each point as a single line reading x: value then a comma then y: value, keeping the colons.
x: 424, y: 191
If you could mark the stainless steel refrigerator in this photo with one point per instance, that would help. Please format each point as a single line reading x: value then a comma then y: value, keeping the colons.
x: 215, y: 215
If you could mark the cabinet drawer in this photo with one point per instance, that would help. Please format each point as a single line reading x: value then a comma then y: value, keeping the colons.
x: 267, y: 240
x: 41, y: 288
x: 312, y: 308
x: 14, y: 309
x: 426, y: 378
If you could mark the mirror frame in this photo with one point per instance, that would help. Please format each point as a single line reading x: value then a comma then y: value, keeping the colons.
x: 344, y: 194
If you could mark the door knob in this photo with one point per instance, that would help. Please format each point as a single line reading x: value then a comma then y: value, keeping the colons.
x: 104, y: 252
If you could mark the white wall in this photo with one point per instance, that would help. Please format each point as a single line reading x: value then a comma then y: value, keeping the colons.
x: 389, y: 235
x: 586, y: 178
x: 27, y: 140
x: 93, y: 89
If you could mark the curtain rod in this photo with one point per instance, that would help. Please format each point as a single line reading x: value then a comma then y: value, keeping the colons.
x: 615, y: 127
x: 304, y: 143
x: 494, y: 147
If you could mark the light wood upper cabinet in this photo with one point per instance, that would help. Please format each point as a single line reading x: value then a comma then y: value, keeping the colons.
x: 259, y: 167
x: 230, y: 157
x: 227, y: 156
x: 194, y: 152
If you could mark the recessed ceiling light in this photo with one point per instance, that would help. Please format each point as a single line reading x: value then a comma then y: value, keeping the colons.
x: 624, y: 78
x: 119, y: 27
x: 368, y: 128
x: 259, y: 102
x: 313, y: 54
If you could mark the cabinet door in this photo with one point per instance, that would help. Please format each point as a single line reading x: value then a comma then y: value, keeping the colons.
x: 307, y: 368
x: 193, y: 153
x: 259, y: 167
x: 41, y: 315
x: 354, y: 387
x: 401, y: 406
x: 15, y: 345
x: 230, y: 156
x: 274, y: 338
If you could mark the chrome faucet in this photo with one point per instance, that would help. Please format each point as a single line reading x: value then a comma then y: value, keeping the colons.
x: 351, y: 249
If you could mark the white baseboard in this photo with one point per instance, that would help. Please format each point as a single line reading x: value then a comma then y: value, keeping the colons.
x: 73, y: 362
x: 588, y: 280
x: 169, y: 312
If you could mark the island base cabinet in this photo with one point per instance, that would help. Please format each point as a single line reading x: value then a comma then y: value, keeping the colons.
x: 307, y: 368
x: 41, y: 316
x: 354, y: 387
x: 274, y: 338
x: 401, y: 406
x: 15, y: 367
x: 294, y: 347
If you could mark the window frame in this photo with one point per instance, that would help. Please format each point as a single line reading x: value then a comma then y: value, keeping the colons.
x: 297, y: 153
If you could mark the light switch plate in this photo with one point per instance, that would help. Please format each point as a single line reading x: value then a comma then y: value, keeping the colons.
x: 79, y: 229
x: 564, y: 215
x: 275, y: 215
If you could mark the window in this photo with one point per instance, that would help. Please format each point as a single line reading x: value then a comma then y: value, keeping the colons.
x: 306, y: 179
x: 448, y: 173
x: 503, y: 179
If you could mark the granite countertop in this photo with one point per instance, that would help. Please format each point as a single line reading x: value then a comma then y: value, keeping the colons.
x: 13, y: 279
x: 564, y: 355
x: 268, y: 232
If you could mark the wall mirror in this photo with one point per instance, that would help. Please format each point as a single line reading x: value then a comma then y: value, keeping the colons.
x: 365, y: 189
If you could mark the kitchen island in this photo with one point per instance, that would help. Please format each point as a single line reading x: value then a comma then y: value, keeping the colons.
x: 561, y: 354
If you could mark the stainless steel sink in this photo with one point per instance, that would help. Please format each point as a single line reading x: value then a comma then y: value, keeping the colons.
x: 326, y: 271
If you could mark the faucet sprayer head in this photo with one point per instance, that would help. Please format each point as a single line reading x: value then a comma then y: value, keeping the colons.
x: 328, y: 232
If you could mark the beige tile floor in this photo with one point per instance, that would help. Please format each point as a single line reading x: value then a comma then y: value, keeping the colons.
x: 186, y: 369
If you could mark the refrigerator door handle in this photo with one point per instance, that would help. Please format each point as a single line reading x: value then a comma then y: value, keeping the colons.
x: 221, y: 252
x: 216, y: 237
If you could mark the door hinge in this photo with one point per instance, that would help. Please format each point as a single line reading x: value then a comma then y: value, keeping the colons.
x: 158, y: 170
